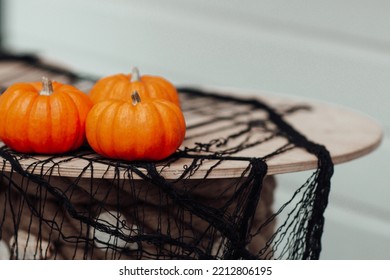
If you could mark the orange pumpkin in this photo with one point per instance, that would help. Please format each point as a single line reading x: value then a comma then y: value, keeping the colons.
x: 151, y: 129
x: 43, y: 117
x: 121, y: 87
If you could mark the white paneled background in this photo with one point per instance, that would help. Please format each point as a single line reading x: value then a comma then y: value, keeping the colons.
x: 336, y: 50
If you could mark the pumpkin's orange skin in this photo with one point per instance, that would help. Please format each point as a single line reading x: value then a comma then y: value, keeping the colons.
x: 46, y: 124
x: 150, y: 130
x: 121, y: 87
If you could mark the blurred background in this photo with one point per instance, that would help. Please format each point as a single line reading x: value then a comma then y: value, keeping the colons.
x: 334, y: 51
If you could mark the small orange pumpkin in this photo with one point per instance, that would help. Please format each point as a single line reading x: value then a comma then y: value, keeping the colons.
x: 151, y: 129
x: 122, y: 86
x: 43, y: 117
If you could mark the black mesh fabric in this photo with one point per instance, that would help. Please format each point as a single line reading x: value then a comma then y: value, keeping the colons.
x: 132, y: 210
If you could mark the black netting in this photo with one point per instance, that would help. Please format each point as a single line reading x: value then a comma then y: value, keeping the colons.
x: 82, y: 206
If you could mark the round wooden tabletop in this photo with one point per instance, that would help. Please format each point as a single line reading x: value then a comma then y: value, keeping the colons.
x: 347, y: 134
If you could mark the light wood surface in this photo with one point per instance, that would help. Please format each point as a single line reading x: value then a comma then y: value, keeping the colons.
x: 347, y: 134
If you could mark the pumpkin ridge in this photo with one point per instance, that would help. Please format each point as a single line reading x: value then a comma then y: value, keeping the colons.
x: 120, y: 88
x: 162, y: 86
x: 77, y: 106
x: 107, y: 88
x: 114, y: 139
x: 91, y: 127
x: 174, y: 126
x: 160, y: 140
x: 27, y: 124
x: 50, y: 140
x: 80, y: 137
x: 95, y: 141
x: 11, y: 126
x: 37, y: 136
x: 4, y: 113
x: 68, y: 105
x: 116, y: 88
x: 100, y: 130
x: 155, y: 92
x: 139, y: 117
x: 53, y: 104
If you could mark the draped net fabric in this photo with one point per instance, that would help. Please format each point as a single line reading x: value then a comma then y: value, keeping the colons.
x: 133, y: 210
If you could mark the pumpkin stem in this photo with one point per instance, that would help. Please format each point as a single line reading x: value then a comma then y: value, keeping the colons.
x: 47, y: 86
x: 135, y: 77
x: 135, y: 98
